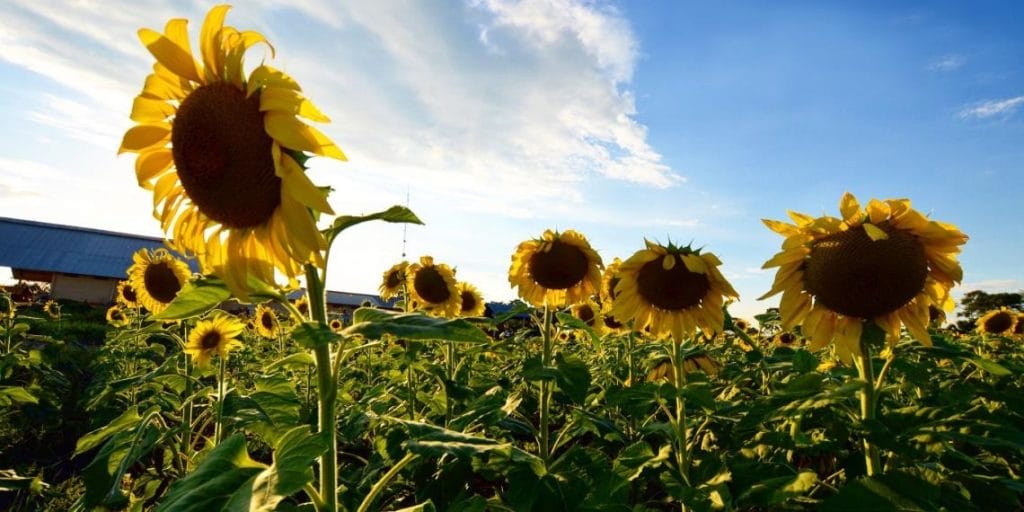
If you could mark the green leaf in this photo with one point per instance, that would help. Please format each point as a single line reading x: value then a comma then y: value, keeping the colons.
x: 312, y: 335
x: 128, y: 419
x: 296, y: 359
x: 16, y: 395
x: 292, y: 469
x: 774, y: 491
x: 195, y: 298
x: 426, y: 506
x: 990, y: 366
x: 893, y: 491
x: 375, y: 323
x: 398, y: 214
x: 638, y: 456
x: 11, y: 481
x: 573, y: 378
x: 804, y: 361
x: 222, y: 481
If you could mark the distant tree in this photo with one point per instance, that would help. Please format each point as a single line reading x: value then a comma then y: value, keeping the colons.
x: 977, y: 303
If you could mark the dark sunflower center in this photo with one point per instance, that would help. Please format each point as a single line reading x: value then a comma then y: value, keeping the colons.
x: 612, y: 283
x: 468, y: 301
x: 431, y: 286
x: 267, y: 320
x: 787, y: 338
x: 999, y: 322
x: 116, y: 316
x: 1019, y: 328
x: 394, y: 279
x: 611, y: 322
x: 128, y: 293
x: 673, y: 290
x: 222, y: 154
x: 562, y: 267
x: 935, y: 314
x: 303, y: 308
x: 161, y: 282
x: 853, y: 275
x: 210, y: 340
x: 586, y: 314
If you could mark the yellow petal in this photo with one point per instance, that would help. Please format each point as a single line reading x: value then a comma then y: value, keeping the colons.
x: 849, y: 208
x: 789, y: 256
x: 874, y: 232
x: 266, y: 76
x: 210, y: 41
x: 801, y: 219
x: 793, y: 308
x: 298, y: 185
x: 292, y: 102
x: 695, y: 264
x: 294, y: 134
x: 177, y: 31
x: 151, y: 164
x: 877, y: 211
x: 148, y: 110
x: 172, y: 56
x: 668, y: 261
x: 142, y: 136
x: 781, y: 228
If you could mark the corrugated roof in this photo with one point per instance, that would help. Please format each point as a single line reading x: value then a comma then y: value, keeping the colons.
x: 32, y: 245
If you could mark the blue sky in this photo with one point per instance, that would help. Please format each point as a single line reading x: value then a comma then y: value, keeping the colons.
x: 667, y: 120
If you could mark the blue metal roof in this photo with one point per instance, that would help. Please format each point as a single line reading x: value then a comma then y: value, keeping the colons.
x: 40, y: 246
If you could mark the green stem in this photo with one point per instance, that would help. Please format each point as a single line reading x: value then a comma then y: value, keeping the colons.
x: 545, y: 388
x: 186, y: 414
x: 219, y: 424
x: 327, y: 387
x: 868, y: 405
x: 450, y: 355
x: 630, y: 348
x: 383, y: 482
x: 679, y: 424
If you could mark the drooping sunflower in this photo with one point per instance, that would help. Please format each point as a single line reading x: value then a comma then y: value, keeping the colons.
x: 393, y: 281
x: 302, y: 305
x: 470, y: 300
x: 672, y: 290
x: 589, y: 313
x: 157, y: 277
x: 885, y: 263
x: 608, y: 322
x: 1000, y: 322
x: 432, y: 287
x: 556, y: 269
x: 609, y: 280
x: 266, y: 322
x: 215, y: 335
x: 223, y: 153
x: 116, y: 316
x: 52, y: 309
x: 126, y: 295
x: 7, y: 306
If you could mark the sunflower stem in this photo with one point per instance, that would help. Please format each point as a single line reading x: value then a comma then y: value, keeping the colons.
x: 218, y: 431
x: 868, y: 404
x: 327, y: 388
x: 545, y: 388
x: 679, y: 381
x: 186, y: 413
x: 450, y: 355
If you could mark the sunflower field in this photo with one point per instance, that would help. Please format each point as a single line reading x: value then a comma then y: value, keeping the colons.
x: 620, y: 385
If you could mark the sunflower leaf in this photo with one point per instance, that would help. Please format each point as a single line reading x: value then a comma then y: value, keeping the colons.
x: 195, y: 298
x: 398, y: 214
x: 374, y: 323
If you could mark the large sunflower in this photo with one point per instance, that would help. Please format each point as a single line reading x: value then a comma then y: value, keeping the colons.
x: 470, y: 300
x: 885, y: 263
x: 393, y: 281
x: 156, y: 278
x: 266, y: 322
x: 1000, y: 321
x: 223, y: 154
x: 432, y: 287
x: 126, y: 295
x: 672, y: 290
x: 556, y: 269
x: 216, y: 335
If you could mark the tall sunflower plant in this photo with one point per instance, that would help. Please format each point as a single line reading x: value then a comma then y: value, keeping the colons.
x: 224, y: 153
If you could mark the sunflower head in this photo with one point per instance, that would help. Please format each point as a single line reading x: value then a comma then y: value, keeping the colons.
x: 556, y: 269
x: 471, y: 302
x: 216, y: 335
x: 266, y: 323
x: 223, y: 153
x: 672, y: 290
x: 302, y: 305
x: 589, y: 313
x: 336, y: 325
x: 609, y: 280
x: 392, y: 283
x: 432, y: 286
x: 126, y: 295
x: 608, y: 322
x: 157, y: 277
x: 1000, y: 321
x: 885, y: 263
x: 116, y: 316
x: 740, y: 324
x: 52, y: 309
x: 7, y: 306
x: 785, y: 339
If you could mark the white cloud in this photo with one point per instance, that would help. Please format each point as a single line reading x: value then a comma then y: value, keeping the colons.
x: 991, y: 286
x: 950, y: 62
x: 992, y: 108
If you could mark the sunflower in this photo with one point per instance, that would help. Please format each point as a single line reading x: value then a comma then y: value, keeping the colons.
x: 52, y: 309
x: 740, y: 324
x: 556, y: 269
x: 156, y: 278
x: 672, y: 290
x: 335, y: 325
x: 302, y: 305
x: 609, y: 280
x: 608, y: 322
x: 589, y: 313
x: 7, y: 306
x: 126, y: 295
x: 116, y: 316
x: 266, y: 322
x: 1000, y: 321
x: 785, y: 339
x: 224, y: 154
x: 472, y: 303
x: 885, y: 263
x: 432, y: 286
x: 217, y: 334
x: 393, y: 281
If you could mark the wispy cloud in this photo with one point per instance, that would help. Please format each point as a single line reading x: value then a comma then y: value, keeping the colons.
x: 991, y: 108
x: 949, y: 62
